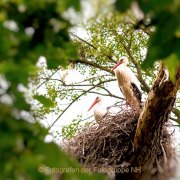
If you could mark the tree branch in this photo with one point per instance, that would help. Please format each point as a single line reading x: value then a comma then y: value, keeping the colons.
x: 91, y: 45
x: 112, y: 95
x: 46, y: 79
x: 93, y: 64
x: 69, y: 106
x: 83, y: 93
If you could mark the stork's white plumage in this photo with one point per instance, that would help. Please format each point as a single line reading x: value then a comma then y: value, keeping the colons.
x: 128, y: 83
x: 99, y: 109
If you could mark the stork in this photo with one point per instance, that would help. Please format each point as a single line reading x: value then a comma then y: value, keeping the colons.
x: 99, y: 109
x: 128, y: 83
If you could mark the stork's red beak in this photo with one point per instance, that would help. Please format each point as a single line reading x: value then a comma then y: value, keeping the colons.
x: 116, y: 65
x: 92, y: 105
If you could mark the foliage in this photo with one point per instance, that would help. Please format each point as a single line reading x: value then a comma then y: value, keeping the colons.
x: 165, y: 41
x: 70, y: 130
x: 30, y: 29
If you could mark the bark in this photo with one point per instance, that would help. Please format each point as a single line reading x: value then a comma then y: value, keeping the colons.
x: 157, y: 108
x: 149, y: 131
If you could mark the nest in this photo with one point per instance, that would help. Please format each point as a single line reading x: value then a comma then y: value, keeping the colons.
x: 110, y: 143
x: 100, y: 144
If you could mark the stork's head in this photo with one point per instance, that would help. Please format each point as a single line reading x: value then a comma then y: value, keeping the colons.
x: 98, y: 99
x: 122, y: 60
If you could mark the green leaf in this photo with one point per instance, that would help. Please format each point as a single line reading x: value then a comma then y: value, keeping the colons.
x: 154, y: 6
x: 55, y: 58
x: 17, y: 72
x: 55, y: 158
x: 172, y: 62
x: 59, y: 56
x: 164, y: 41
x: 63, y: 5
x: 122, y: 5
x: 20, y: 102
x: 44, y: 100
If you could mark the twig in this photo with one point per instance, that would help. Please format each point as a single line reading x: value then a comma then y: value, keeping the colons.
x: 70, y: 105
x: 48, y: 78
x: 91, y: 45
x: 91, y: 63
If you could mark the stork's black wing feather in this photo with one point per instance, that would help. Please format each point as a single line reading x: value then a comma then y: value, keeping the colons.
x: 136, y: 91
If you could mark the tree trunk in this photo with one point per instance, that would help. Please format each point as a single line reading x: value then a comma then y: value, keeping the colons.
x: 148, y: 149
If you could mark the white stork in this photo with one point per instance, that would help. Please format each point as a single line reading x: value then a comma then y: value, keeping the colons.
x: 128, y: 83
x: 99, y: 109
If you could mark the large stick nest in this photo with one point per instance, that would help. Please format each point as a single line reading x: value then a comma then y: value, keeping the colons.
x: 109, y: 143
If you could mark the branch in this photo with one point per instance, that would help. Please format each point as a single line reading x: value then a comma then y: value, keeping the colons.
x: 139, y: 73
x: 68, y: 107
x: 110, y: 94
x: 77, y: 83
x: 46, y: 79
x: 114, y: 96
x: 83, y: 93
x: 86, y: 118
x: 94, y: 47
x: 90, y: 63
x: 63, y: 83
x: 95, y: 77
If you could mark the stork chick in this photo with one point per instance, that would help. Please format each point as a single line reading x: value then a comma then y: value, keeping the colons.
x: 99, y: 109
x: 128, y: 83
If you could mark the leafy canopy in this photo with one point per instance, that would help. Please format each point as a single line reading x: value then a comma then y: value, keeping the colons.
x: 164, y: 43
x: 28, y: 30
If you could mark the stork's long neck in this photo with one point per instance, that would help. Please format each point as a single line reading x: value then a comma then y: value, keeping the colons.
x: 124, y: 75
x: 100, y: 108
x: 100, y: 103
x: 121, y: 71
x: 121, y: 66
